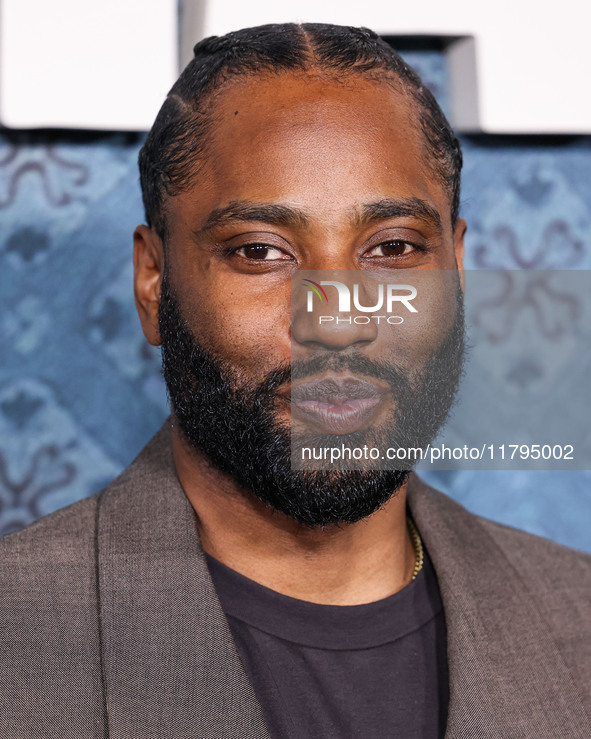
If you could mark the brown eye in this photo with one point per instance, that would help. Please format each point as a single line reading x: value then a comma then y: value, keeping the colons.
x: 391, y: 249
x: 394, y: 248
x: 256, y: 251
x: 261, y: 252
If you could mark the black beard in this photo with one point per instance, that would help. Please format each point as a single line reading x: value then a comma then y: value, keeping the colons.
x: 232, y: 422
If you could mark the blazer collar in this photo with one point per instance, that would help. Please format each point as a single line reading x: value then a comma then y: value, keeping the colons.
x: 170, y: 666
x: 507, y: 675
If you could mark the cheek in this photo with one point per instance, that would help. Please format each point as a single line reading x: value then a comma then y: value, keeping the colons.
x: 252, y: 334
x: 421, y: 334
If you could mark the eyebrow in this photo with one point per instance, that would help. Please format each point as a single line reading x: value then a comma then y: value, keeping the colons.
x: 278, y: 215
x: 284, y: 215
x: 398, y: 208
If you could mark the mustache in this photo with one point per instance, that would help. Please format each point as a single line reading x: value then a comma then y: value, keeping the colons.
x: 335, y: 389
x: 354, y: 364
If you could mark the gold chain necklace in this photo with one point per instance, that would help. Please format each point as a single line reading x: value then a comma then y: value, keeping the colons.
x: 417, y: 546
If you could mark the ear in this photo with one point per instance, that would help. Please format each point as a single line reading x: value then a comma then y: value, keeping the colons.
x: 148, y: 268
x: 459, y: 233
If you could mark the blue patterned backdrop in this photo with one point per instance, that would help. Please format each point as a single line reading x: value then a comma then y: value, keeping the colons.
x: 80, y: 388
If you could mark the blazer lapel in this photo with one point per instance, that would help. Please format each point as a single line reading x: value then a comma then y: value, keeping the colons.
x: 507, y: 676
x: 170, y: 665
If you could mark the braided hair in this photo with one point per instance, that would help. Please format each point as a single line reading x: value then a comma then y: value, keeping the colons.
x: 176, y: 142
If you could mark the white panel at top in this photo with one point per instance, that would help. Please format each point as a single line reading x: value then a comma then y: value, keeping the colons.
x: 531, y: 58
x: 520, y: 66
x: 98, y: 64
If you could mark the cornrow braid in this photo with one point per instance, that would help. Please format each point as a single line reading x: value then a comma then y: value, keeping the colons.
x: 177, y: 140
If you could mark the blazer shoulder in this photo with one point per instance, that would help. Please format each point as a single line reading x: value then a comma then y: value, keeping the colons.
x: 552, y: 573
x: 67, y: 530
x: 530, y: 554
x: 541, y: 558
x: 73, y: 528
x: 558, y: 580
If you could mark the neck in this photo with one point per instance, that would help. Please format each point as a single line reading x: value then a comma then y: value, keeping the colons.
x: 347, y: 564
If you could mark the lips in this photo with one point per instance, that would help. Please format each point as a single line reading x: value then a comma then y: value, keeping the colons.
x: 337, y: 404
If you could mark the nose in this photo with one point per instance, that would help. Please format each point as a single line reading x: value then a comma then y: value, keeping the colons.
x: 326, y: 312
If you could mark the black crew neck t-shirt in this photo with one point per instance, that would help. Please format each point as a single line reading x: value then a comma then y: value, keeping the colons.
x: 376, y: 670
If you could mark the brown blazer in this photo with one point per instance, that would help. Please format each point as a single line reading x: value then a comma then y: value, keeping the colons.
x: 110, y: 625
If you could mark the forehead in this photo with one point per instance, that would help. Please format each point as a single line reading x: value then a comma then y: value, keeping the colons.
x: 324, y: 144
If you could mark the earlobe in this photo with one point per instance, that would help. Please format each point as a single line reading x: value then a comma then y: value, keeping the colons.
x: 148, y: 266
x: 459, y: 233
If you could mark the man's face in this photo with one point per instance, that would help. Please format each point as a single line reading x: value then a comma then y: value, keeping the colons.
x: 301, y: 174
